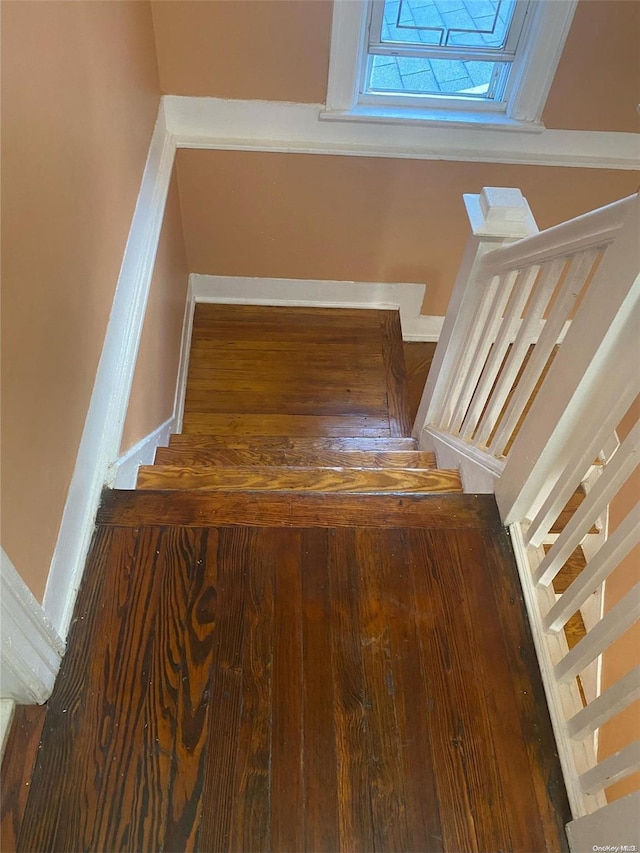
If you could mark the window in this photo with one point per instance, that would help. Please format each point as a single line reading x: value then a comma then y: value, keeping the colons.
x: 477, y: 62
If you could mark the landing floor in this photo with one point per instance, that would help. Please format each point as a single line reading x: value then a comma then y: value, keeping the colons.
x: 248, y: 689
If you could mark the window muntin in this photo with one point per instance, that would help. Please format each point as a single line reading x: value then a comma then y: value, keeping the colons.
x: 452, y: 51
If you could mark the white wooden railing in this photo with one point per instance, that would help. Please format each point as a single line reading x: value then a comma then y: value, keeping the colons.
x: 537, y: 366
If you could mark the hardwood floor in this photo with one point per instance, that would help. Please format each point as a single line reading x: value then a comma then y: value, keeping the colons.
x: 281, y: 371
x: 263, y: 659
x: 323, y: 688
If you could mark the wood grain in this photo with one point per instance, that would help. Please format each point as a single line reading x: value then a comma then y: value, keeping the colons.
x: 20, y: 753
x: 355, y: 816
x: 253, y: 688
x: 231, y: 423
x: 567, y: 513
x: 319, y: 733
x: 418, y: 356
x: 259, y: 443
x: 256, y: 668
x: 287, y: 800
x: 197, y: 508
x: 273, y: 478
x: 570, y: 571
x: 298, y: 458
x: 217, y: 822
x: 295, y: 371
x: 399, y: 420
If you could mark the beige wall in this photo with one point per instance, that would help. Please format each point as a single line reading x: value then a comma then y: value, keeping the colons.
x: 273, y: 50
x: 596, y: 84
x: 279, y: 50
x: 358, y: 218
x: 625, y: 652
x: 154, y: 383
x: 79, y: 100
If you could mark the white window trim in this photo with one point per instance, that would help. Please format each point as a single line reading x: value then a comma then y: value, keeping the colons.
x: 532, y: 74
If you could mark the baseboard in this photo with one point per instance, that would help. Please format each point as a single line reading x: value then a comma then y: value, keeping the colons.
x: 104, y: 424
x: 7, y: 707
x: 31, y: 650
x: 124, y: 471
x: 407, y: 298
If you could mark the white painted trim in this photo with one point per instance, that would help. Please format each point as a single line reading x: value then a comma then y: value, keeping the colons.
x: 478, y: 470
x: 563, y: 699
x: 345, y: 56
x: 7, y: 707
x: 31, y: 649
x: 124, y: 472
x: 534, y: 70
x: 543, y: 38
x: 185, y: 351
x: 407, y: 298
x: 102, y: 434
x: 296, y: 128
x: 613, y: 827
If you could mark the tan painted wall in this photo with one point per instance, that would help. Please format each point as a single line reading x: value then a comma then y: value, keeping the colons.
x: 625, y: 652
x: 597, y: 82
x: 79, y: 100
x: 358, y: 218
x: 274, y: 50
x: 279, y: 50
x: 154, y: 383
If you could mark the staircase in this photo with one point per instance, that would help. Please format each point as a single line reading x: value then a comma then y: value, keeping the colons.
x: 271, y: 464
x: 320, y: 408
x: 282, y: 635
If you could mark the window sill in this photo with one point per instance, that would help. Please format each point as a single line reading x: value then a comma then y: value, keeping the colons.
x: 379, y: 114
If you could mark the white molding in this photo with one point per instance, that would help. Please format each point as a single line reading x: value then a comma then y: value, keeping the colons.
x: 563, y: 699
x: 217, y: 123
x: 124, y: 472
x: 543, y: 38
x: 185, y: 350
x: 31, y: 649
x: 347, y: 43
x: 7, y: 707
x: 533, y: 72
x: 407, y: 298
x: 102, y: 434
x: 478, y: 470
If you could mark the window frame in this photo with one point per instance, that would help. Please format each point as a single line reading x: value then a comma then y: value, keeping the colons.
x: 531, y: 76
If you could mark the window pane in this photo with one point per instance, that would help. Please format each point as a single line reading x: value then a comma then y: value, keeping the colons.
x: 448, y: 23
x: 433, y: 76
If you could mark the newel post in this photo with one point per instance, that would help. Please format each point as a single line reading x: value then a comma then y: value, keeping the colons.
x: 497, y: 216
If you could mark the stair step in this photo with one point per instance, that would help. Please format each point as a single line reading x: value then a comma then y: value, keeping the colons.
x: 268, y: 424
x: 128, y: 508
x: 257, y: 477
x: 570, y: 571
x: 286, y: 442
x: 567, y: 513
x: 299, y: 458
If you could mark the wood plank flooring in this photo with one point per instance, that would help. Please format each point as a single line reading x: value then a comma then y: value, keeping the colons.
x: 251, y: 688
x: 279, y: 371
x: 256, y: 668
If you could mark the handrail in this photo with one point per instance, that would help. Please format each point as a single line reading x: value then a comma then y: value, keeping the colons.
x: 602, y: 226
x: 526, y: 412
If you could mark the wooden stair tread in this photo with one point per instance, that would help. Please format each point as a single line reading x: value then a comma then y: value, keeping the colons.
x: 567, y: 513
x: 305, y: 458
x: 570, y: 571
x: 273, y: 478
x: 279, y: 424
x: 198, y: 508
x: 286, y: 442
